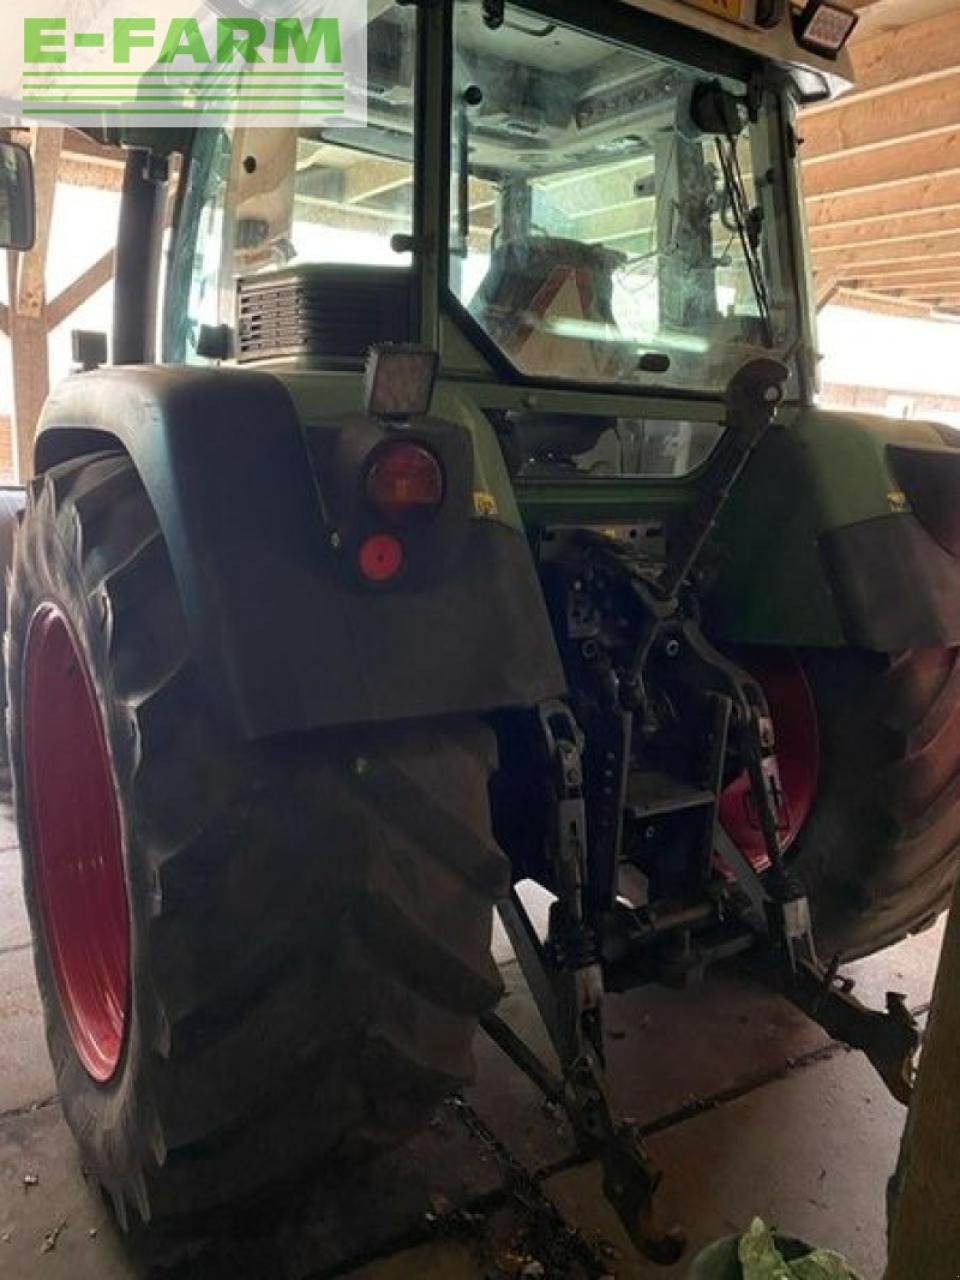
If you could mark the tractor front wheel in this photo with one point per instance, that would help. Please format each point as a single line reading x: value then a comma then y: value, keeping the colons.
x: 252, y: 957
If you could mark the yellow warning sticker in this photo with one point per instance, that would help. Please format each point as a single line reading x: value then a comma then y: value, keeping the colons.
x: 731, y: 9
x: 484, y: 504
x: 898, y: 500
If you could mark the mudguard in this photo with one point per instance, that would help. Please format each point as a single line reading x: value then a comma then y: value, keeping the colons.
x: 843, y: 532
x: 285, y: 641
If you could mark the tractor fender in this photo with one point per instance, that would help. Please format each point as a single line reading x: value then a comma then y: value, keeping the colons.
x: 843, y: 532
x: 284, y: 642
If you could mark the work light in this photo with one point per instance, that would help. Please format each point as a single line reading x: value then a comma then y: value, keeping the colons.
x: 399, y: 380
x: 824, y: 27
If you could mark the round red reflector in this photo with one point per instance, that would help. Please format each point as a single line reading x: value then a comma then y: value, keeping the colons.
x: 404, y: 479
x: 381, y: 557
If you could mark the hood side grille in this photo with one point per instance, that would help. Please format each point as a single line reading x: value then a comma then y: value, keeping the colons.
x: 326, y: 312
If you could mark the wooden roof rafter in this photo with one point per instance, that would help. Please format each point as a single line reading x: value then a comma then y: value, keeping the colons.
x: 882, y: 164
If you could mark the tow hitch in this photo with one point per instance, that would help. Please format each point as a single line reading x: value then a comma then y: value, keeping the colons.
x: 790, y: 963
x: 593, y: 936
x: 565, y: 978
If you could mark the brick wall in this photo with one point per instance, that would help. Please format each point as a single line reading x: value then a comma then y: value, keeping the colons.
x: 6, y: 450
x: 911, y: 404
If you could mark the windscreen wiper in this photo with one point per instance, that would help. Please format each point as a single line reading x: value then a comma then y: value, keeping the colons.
x: 748, y: 223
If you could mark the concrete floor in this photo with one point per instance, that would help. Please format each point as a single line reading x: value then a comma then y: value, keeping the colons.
x: 749, y: 1109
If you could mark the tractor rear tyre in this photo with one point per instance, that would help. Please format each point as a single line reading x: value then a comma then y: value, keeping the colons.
x: 880, y: 850
x: 872, y: 784
x: 11, y: 505
x: 253, y: 958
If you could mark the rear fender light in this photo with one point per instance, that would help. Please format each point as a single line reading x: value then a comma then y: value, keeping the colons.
x: 404, y: 481
x: 397, y: 500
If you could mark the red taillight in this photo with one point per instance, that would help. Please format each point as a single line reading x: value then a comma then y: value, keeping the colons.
x: 404, y: 480
x: 380, y: 557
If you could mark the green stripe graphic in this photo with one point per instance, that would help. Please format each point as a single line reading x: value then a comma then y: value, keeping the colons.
x: 144, y: 75
x: 202, y: 84
x: 205, y: 97
x: 181, y: 111
x: 60, y: 92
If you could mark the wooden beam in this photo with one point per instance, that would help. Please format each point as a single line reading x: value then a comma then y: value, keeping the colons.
x: 894, y: 271
x: 879, y: 230
x: 76, y: 143
x: 946, y: 262
x: 913, y: 54
x: 361, y: 217
x: 31, y: 373
x: 883, y: 167
x: 85, y: 163
x: 369, y: 178
x: 915, y: 286
x: 936, y: 289
x: 826, y: 292
x: 920, y: 111
x: 336, y: 215
x: 947, y: 302
x: 940, y: 307
x: 26, y: 276
x: 4, y: 319
x: 99, y: 174
x: 912, y: 199
x: 925, y: 1228
x: 899, y: 251
x: 618, y: 223
x: 880, y: 16
x: 83, y: 288
x: 33, y: 265
x: 879, y: 304
x: 897, y: 13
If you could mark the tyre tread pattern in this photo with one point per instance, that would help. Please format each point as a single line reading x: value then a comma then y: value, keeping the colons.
x: 310, y: 958
x: 880, y: 852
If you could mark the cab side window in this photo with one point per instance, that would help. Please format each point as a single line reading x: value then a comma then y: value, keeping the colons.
x: 194, y: 280
x: 261, y: 199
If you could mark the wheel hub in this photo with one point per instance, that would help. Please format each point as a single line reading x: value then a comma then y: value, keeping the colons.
x: 76, y: 842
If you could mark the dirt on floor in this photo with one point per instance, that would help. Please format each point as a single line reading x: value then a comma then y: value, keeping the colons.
x: 746, y: 1106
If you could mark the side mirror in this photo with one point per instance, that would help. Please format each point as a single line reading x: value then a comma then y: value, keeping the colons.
x: 18, y: 214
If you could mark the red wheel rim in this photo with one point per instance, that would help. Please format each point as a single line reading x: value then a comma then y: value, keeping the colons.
x: 794, y: 716
x: 77, y: 852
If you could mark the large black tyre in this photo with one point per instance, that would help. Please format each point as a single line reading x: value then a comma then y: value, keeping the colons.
x: 879, y: 852
x: 11, y: 505
x: 309, y: 918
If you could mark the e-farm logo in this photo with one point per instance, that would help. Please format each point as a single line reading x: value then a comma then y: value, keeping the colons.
x: 175, y: 69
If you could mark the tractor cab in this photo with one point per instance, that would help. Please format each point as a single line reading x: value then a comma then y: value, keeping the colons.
x: 612, y: 212
x: 594, y: 224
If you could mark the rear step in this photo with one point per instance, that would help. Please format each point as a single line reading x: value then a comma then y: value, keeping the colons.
x: 651, y: 793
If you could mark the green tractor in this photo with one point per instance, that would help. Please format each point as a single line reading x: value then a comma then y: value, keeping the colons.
x: 469, y: 521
